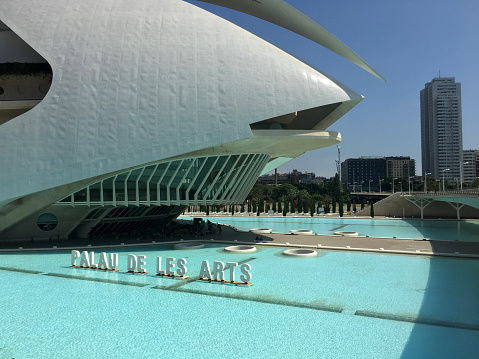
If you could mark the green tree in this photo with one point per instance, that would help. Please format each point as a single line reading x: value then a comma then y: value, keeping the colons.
x: 327, y: 205
x: 333, y: 187
x: 371, y: 209
x: 333, y: 204
x: 341, y: 207
x: 304, y: 194
x: 267, y: 191
x: 282, y: 190
x: 285, y: 209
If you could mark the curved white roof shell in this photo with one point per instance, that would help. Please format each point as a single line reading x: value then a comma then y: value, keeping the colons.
x: 139, y: 81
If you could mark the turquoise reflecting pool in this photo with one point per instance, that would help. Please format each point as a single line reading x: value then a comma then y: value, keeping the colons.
x: 433, y: 229
x: 334, y: 305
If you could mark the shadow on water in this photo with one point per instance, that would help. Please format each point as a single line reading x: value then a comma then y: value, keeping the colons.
x: 451, y: 305
x: 453, y: 237
x: 449, y: 230
x: 447, y: 324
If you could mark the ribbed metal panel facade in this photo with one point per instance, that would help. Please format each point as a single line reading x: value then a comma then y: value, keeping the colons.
x: 209, y: 180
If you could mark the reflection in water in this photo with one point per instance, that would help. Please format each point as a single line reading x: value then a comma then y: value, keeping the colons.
x: 467, y: 231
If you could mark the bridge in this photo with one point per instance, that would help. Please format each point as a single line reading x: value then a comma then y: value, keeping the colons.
x: 436, y: 202
x: 456, y: 199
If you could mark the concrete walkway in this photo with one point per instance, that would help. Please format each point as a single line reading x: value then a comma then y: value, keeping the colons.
x: 382, y: 245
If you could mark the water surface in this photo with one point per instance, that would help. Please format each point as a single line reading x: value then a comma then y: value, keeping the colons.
x: 337, y: 304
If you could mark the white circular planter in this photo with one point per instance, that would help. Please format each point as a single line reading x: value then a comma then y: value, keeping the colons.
x: 307, y: 232
x: 240, y: 249
x: 347, y: 234
x: 300, y: 252
x: 188, y: 245
x: 261, y: 230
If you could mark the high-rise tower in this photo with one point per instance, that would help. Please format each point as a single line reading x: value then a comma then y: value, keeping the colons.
x: 441, y: 128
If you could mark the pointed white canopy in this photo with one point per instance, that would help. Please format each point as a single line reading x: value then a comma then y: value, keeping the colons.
x: 280, y: 13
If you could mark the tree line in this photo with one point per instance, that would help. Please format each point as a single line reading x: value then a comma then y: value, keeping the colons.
x: 294, y: 198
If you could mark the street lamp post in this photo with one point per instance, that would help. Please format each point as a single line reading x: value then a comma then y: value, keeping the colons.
x: 425, y: 181
x: 370, y: 185
x: 393, y: 184
x: 409, y: 184
x: 380, y: 190
x: 462, y: 169
x: 443, y: 186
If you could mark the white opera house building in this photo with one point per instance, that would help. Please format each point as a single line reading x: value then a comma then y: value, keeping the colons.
x: 117, y: 114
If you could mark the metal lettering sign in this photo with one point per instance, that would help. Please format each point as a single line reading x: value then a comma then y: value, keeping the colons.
x: 218, y: 272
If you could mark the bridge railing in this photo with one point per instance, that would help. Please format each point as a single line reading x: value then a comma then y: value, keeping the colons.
x: 474, y: 192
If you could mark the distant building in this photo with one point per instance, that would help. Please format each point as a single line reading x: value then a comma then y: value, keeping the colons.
x: 292, y: 177
x: 470, y: 167
x: 441, y: 128
x: 400, y: 167
x: 271, y: 180
x: 364, y: 173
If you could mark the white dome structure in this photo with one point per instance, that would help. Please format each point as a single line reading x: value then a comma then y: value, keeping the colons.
x: 146, y: 107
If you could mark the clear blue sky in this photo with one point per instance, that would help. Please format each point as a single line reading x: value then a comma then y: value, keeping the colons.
x: 407, y: 42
